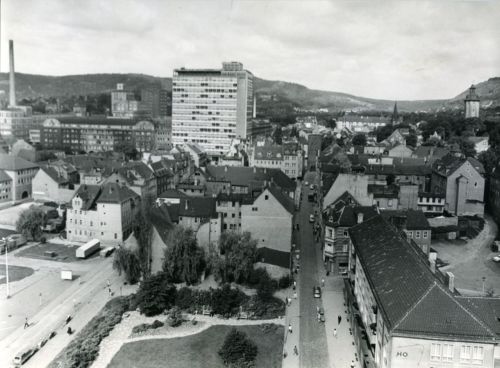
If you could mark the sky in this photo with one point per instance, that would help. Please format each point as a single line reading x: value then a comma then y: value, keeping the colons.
x: 397, y: 50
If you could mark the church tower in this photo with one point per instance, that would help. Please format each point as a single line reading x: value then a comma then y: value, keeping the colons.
x: 395, y: 115
x: 471, y: 103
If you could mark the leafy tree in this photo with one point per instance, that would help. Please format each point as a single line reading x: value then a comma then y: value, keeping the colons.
x: 326, y: 142
x: 143, y: 232
x: 128, y: 148
x: 412, y: 140
x: 184, y: 259
x: 466, y: 146
x: 489, y: 159
x: 226, y: 301
x: 155, y: 295
x: 278, y: 135
x: 238, y: 254
x: 359, y: 140
x: 294, y: 132
x: 238, y: 350
x: 127, y: 261
x: 383, y: 132
x: 30, y: 223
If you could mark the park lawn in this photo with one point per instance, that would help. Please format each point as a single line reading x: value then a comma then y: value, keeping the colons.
x: 64, y: 253
x: 199, y: 350
x: 16, y: 273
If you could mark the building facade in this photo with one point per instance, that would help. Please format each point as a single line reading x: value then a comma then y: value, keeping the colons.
x: 211, y: 107
x: 22, y: 173
x: 472, y: 103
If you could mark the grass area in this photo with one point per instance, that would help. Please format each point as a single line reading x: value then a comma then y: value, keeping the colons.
x: 64, y: 253
x: 199, y: 350
x: 16, y: 273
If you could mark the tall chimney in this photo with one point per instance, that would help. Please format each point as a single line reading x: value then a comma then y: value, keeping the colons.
x: 12, y: 82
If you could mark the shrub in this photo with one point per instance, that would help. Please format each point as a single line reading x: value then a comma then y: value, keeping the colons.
x: 185, y: 298
x: 265, y: 309
x: 175, y: 317
x: 238, y: 350
x: 284, y: 281
x: 146, y: 326
x: 227, y: 301
x: 43, y: 240
x: 155, y: 295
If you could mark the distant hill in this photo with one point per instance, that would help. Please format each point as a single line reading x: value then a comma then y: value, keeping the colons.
x: 29, y: 85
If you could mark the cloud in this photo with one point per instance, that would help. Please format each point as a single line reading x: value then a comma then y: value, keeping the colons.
x: 382, y: 49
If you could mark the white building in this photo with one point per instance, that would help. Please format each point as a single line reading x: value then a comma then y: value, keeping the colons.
x: 210, y: 107
x: 287, y: 157
x: 106, y: 213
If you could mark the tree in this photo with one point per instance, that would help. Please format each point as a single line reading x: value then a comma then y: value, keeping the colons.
x: 294, y: 132
x: 238, y: 350
x: 278, y: 135
x: 412, y: 140
x: 128, y: 148
x: 143, y: 232
x: 184, y: 259
x: 489, y: 159
x: 31, y: 222
x: 127, y: 261
x: 359, y: 140
x: 239, y: 252
x: 383, y: 132
x: 466, y: 146
x: 155, y: 295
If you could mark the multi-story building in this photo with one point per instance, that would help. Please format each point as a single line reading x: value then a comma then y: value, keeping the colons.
x: 259, y: 128
x: 16, y: 121
x: 104, y: 212
x: 94, y: 134
x: 431, y: 203
x: 494, y: 193
x: 211, y: 107
x: 461, y: 180
x: 404, y: 313
x: 362, y: 124
x: 138, y: 177
x: 21, y: 172
x: 55, y: 181
x: 123, y: 103
x: 287, y: 157
x: 163, y: 127
x: 5, y: 187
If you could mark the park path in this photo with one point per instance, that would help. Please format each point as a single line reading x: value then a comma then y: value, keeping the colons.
x: 121, y: 333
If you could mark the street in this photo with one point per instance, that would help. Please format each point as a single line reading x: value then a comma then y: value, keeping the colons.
x: 313, y: 343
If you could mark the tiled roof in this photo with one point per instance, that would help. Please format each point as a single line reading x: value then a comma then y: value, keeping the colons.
x: 487, y: 308
x: 411, y: 219
x: 383, y: 191
x: 172, y: 193
x: 97, y: 120
x: 365, y: 119
x: 88, y: 194
x: 399, y: 166
x: 349, y: 215
x: 4, y: 176
x: 448, y: 164
x: 203, y: 207
x: 237, y: 197
x: 12, y: 163
x: 160, y: 219
x: 54, y: 175
x: 116, y: 193
x: 284, y: 200
x: 407, y: 293
x: 425, y: 151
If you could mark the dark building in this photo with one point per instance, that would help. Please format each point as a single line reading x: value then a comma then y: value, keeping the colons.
x: 313, y: 150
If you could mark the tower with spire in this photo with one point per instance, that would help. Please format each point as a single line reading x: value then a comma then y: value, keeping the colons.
x: 472, y: 103
x: 395, y: 114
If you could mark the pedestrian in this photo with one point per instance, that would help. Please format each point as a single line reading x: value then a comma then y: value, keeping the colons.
x: 285, y: 354
x: 290, y: 328
x: 335, y: 332
x: 319, y: 317
x: 322, y: 282
x: 108, y: 283
x: 294, y: 284
x: 295, y: 295
x: 352, y: 363
x: 295, y: 350
x: 26, y: 324
x: 339, y: 318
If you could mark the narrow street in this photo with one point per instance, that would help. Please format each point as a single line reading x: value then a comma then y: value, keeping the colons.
x: 313, y: 348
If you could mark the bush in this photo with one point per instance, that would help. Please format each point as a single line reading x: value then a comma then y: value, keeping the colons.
x: 43, y: 240
x: 155, y: 295
x: 227, y: 301
x: 265, y: 309
x: 238, y: 350
x: 146, y: 326
x: 83, y: 350
x: 185, y: 298
x: 175, y: 317
x: 284, y: 282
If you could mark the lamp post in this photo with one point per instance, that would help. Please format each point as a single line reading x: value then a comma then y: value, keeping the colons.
x: 6, y: 267
x: 484, y: 279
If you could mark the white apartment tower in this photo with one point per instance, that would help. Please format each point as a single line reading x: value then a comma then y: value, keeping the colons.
x: 212, y: 107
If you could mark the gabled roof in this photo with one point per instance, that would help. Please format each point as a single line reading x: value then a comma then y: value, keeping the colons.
x: 410, y: 219
x: 4, y: 176
x: 54, y: 175
x: 349, y: 216
x: 285, y: 201
x: 88, y: 195
x: 487, y: 308
x: 383, y: 191
x: 172, y: 193
x: 12, y: 163
x: 448, y: 164
x: 116, y: 193
x: 430, y: 151
x: 160, y: 219
x: 203, y: 207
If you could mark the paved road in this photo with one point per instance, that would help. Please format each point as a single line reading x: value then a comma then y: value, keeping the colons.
x: 313, y: 344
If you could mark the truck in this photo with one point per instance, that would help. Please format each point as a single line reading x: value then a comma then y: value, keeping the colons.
x: 88, y: 248
x: 14, y: 241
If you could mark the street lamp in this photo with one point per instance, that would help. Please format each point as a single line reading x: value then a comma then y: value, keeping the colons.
x: 6, y: 247
x: 484, y: 279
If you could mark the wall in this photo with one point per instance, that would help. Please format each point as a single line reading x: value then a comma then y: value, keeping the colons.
x: 157, y: 252
x: 356, y: 185
x: 474, y: 191
x: 416, y: 353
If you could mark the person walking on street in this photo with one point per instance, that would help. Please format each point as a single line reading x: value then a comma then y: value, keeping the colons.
x: 319, y: 317
x: 322, y: 282
x: 295, y: 350
x: 290, y: 328
x: 335, y: 332
x: 339, y: 318
x: 26, y: 324
x: 352, y: 364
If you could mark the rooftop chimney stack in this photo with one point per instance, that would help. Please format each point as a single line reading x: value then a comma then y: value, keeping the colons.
x: 12, y: 81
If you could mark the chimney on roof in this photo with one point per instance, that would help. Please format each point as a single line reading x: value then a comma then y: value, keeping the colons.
x: 360, y: 217
x: 451, y: 281
x: 186, y: 205
x: 225, y: 168
x: 433, y: 265
x: 254, y: 169
x: 12, y: 79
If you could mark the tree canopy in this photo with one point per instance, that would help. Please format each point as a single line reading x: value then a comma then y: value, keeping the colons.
x: 359, y: 140
x: 30, y: 223
x: 184, y: 259
x: 126, y: 261
x: 238, y: 350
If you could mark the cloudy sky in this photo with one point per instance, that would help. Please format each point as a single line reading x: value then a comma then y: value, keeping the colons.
x: 381, y: 49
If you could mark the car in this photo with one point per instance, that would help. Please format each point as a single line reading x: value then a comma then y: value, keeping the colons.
x: 317, y: 292
x: 312, y: 186
x: 311, y: 218
x: 496, y: 258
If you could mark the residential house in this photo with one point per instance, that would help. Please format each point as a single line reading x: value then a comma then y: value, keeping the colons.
x: 269, y: 219
x: 462, y: 181
x: 399, y: 150
x: 5, y: 188
x: 138, y: 176
x: 164, y: 176
x: 481, y: 144
x: 104, y: 212
x: 162, y: 226
x: 403, y: 313
x: 55, y: 182
x: 199, y: 156
x: 430, y: 153
x: 286, y: 157
x: 384, y: 196
x: 355, y: 184
x: 397, y: 137
x: 21, y: 172
x: 362, y: 124
x: 229, y: 206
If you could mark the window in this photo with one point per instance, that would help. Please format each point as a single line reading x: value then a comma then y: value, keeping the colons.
x: 424, y: 234
x: 417, y: 234
x: 266, y: 197
x: 389, y: 203
x: 233, y: 215
x: 116, y: 236
x: 410, y: 234
x: 447, y: 353
x: 477, y: 355
x: 465, y: 353
x: 436, y: 352
x: 254, y: 209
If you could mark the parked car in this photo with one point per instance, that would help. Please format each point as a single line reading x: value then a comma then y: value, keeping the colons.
x: 311, y: 218
x: 317, y: 292
x: 312, y: 186
x: 496, y: 258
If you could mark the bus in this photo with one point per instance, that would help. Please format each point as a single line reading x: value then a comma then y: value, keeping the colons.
x: 88, y: 248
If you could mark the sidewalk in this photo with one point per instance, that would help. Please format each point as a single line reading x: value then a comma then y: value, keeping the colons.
x: 341, y: 348
x: 292, y: 339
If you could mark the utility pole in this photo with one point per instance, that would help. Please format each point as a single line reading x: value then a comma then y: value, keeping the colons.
x: 6, y: 267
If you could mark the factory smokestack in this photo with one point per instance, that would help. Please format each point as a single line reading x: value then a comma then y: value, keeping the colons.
x: 12, y: 81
